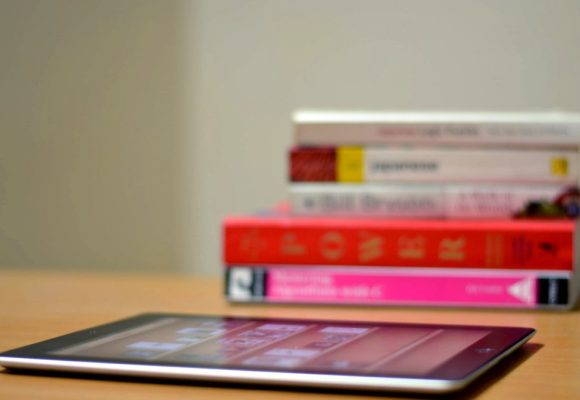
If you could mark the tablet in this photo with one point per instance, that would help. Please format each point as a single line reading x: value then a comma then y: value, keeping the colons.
x: 291, y: 352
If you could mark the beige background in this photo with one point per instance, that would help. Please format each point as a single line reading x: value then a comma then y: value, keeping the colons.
x: 129, y: 129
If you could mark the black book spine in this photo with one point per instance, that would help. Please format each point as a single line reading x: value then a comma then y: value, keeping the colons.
x: 553, y: 291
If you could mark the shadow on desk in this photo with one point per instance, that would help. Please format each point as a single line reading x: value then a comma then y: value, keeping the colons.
x: 473, y: 391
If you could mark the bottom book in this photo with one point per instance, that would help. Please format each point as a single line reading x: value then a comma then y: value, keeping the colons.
x: 401, y: 286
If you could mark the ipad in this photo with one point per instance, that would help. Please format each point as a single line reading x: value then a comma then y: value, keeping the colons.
x: 291, y: 352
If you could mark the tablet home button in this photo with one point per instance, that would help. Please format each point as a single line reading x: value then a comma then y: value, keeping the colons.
x: 485, y: 350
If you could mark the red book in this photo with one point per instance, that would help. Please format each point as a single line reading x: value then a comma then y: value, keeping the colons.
x: 275, y: 239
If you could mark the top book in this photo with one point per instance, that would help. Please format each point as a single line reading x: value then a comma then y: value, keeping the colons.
x: 545, y: 129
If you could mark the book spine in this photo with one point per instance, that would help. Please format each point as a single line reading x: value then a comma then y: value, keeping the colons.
x: 483, y: 201
x: 401, y: 286
x: 393, y: 164
x: 513, y: 244
x: 531, y: 134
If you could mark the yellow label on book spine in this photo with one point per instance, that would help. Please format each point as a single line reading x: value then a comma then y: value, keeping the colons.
x: 350, y: 164
x: 559, y: 166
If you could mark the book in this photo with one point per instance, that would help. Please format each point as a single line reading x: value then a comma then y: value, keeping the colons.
x: 472, y: 287
x: 533, y: 129
x: 356, y: 164
x: 277, y: 238
x: 435, y: 200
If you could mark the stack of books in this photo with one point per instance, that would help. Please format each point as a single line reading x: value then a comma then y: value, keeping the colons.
x: 435, y: 209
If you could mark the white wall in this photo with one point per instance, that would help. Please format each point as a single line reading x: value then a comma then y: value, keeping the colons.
x: 130, y: 128
x: 91, y: 125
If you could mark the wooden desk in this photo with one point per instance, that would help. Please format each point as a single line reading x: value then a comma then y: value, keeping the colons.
x: 39, y: 305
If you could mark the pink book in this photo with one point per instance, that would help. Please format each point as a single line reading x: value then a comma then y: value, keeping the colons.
x: 401, y: 286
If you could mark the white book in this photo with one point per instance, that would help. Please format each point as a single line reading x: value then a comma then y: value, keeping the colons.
x: 438, y: 164
x: 314, y: 128
x: 458, y: 201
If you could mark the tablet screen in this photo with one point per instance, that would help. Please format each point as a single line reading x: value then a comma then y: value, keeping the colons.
x: 314, y: 346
